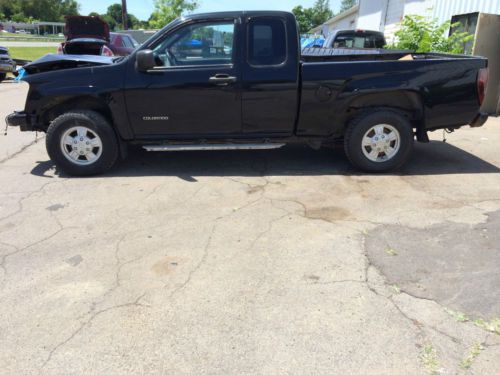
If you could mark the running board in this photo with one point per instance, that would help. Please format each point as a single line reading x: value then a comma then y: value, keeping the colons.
x: 214, y: 147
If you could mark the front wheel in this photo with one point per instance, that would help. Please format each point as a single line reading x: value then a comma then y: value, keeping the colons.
x: 82, y: 143
x: 2, y: 76
x: 379, y: 141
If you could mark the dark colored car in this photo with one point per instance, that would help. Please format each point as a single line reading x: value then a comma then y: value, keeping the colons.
x: 355, y: 39
x: 238, y: 80
x: 7, y: 65
x: 91, y: 36
x: 122, y: 44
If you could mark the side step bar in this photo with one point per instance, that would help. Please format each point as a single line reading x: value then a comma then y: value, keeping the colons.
x: 214, y: 147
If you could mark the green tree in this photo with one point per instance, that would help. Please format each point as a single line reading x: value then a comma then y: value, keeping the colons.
x: 9, y: 8
x: 45, y: 10
x: 309, y: 18
x: 321, y: 12
x: 113, y: 18
x: 421, y: 34
x: 115, y: 12
x: 168, y: 10
x: 304, y: 18
x: 347, y: 4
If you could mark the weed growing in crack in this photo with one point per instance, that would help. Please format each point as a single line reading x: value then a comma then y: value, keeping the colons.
x: 457, y: 315
x: 491, y: 326
x: 430, y: 360
x: 390, y: 251
x: 474, y: 352
x: 396, y: 289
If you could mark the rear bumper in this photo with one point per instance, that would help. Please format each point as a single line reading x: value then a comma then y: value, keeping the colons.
x: 20, y: 120
x: 7, y: 67
x: 479, y: 120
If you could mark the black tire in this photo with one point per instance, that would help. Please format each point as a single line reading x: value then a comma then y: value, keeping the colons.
x: 2, y: 76
x: 358, y: 128
x: 97, y: 124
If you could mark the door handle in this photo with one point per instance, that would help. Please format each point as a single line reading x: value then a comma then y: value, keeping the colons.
x: 222, y: 79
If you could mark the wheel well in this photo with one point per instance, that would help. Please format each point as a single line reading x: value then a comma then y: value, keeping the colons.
x: 407, y: 103
x: 54, y: 110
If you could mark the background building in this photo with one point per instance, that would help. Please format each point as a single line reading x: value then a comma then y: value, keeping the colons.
x: 480, y: 18
x: 385, y: 15
x: 36, y: 28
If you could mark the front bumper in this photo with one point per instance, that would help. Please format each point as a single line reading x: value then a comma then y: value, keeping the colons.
x: 479, y: 120
x: 21, y: 120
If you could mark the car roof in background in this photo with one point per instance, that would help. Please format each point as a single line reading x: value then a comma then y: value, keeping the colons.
x: 357, y: 31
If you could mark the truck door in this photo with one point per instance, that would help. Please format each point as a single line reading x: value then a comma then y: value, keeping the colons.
x: 270, y: 76
x: 193, y: 91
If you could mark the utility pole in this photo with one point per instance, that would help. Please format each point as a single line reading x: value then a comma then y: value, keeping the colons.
x: 124, y: 15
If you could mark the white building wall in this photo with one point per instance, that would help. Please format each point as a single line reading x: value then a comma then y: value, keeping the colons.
x: 371, y: 14
x: 385, y: 15
x: 346, y: 23
x: 443, y: 10
x: 394, y: 13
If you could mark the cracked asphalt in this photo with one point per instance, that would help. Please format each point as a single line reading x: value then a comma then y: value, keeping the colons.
x: 284, y: 261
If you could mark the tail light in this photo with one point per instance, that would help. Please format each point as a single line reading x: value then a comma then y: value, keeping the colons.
x: 106, y: 51
x: 60, y: 50
x: 482, y: 84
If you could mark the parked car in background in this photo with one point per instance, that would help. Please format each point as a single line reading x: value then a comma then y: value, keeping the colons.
x: 122, y: 44
x: 355, y: 39
x: 91, y: 36
x: 7, y: 65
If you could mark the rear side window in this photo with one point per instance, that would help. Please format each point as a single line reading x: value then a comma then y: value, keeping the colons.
x: 267, y: 42
x: 127, y: 42
x: 359, y: 41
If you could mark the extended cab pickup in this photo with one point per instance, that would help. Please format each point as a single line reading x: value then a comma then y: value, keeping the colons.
x: 238, y: 80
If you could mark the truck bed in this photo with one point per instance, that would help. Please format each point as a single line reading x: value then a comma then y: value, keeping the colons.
x: 337, y: 81
x: 365, y: 54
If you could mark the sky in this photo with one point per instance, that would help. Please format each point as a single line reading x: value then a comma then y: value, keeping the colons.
x: 142, y: 8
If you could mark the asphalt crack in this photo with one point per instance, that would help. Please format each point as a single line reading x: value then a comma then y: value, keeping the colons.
x: 135, y: 303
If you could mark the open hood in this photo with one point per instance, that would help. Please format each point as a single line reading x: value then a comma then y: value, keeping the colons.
x: 52, y: 62
x: 86, y: 27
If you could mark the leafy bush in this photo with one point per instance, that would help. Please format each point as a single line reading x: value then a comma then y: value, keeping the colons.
x: 421, y: 34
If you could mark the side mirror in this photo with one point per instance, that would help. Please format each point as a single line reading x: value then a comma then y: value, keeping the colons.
x: 145, y: 60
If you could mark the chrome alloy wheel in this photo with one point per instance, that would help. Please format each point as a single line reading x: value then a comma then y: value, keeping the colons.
x: 381, y: 143
x: 81, y: 146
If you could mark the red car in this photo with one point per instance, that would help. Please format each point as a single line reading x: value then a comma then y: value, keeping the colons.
x: 91, y: 36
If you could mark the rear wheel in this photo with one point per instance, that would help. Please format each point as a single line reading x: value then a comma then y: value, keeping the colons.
x: 82, y: 143
x: 2, y: 76
x: 379, y: 141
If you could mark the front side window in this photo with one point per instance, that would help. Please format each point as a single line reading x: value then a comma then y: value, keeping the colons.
x: 267, y: 42
x: 198, y: 44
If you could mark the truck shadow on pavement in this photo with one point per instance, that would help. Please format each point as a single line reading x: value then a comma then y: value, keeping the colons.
x: 434, y: 158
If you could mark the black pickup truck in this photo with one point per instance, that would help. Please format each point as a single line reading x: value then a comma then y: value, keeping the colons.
x: 239, y: 80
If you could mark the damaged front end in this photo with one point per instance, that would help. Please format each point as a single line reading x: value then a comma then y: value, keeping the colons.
x: 53, y: 62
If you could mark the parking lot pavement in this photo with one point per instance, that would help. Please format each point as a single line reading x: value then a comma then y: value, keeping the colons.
x: 284, y: 261
x: 12, y: 97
